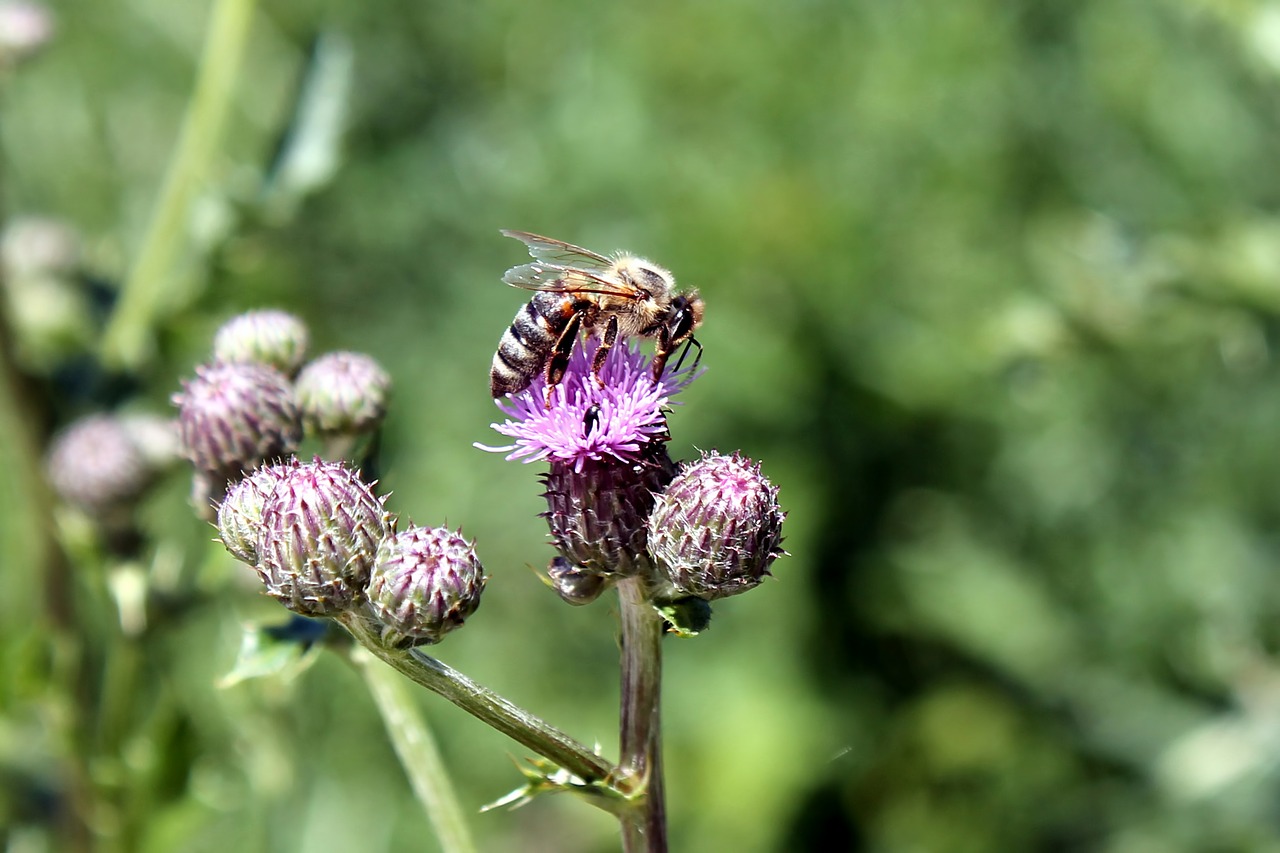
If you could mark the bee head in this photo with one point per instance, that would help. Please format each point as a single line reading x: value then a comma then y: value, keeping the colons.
x: 686, y: 315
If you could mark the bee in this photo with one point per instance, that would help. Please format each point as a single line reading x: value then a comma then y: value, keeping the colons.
x: 577, y: 291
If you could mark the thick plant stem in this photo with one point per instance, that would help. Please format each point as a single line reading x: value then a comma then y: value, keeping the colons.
x: 644, y: 827
x: 484, y: 704
x: 127, y: 342
x: 417, y: 750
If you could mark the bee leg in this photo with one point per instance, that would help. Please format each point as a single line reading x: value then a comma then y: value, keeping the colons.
x: 559, y: 361
x: 607, y: 341
x: 660, y: 354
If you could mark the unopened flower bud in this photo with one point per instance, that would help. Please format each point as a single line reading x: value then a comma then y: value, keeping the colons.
x: 574, y: 584
x: 343, y: 393
x: 717, y: 527
x: 321, y: 527
x: 155, y: 437
x: 95, y: 465
x: 274, y: 338
x: 426, y: 582
x: 597, y: 513
x: 240, y: 513
x: 233, y: 416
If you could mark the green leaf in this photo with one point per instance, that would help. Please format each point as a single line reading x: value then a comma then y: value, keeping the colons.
x: 275, y: 650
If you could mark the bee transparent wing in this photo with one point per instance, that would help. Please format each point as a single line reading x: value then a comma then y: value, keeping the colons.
x: 560, y: 279
x: 560, y: 253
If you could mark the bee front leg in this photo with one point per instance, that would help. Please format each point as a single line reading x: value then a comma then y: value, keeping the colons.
x: 607, y: 341
x: 559, y: 360
x: 661, y: 353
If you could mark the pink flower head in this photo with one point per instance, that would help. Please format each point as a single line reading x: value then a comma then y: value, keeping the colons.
x: 612, y: 420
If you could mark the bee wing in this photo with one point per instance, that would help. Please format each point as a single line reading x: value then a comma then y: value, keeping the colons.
x: 558, y: 252
x: 561, y: 279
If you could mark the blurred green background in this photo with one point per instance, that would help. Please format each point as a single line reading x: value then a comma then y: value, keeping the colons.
x: 992, y: 292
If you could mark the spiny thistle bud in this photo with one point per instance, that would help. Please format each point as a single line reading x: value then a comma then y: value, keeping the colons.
x: 574, y: 584
x: 717, y: 527
x: 95, y: 465
x: 426, y: 582
x: 240, y: 513
x: 321, y: 527
x: 343, y: 393
x: 233, y: 416
x: 274, y: 338
x: 597, y: 513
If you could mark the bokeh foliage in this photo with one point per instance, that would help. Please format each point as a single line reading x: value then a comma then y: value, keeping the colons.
x: 993, y: 290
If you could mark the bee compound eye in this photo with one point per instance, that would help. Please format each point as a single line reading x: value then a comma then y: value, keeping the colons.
x: 681, y: 322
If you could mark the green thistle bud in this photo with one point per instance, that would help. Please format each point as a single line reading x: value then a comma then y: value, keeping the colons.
x: 717, y: 527
x: 233, y: 416
x: 321, y: 527
x: 597, y: 512
x: 240, y: 513
x: 274, y: 338
x: 95, y: 465
x: 426, y: 582
x: 343, y: 393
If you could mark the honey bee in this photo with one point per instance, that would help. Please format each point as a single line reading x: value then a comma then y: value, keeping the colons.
x: 578, y: 291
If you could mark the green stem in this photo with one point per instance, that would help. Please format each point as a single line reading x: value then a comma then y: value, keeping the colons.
x: 416, y: 748
x: 127, y: 341
x: 644, y: 827
x: 20, y: 417
x: 483, y: 704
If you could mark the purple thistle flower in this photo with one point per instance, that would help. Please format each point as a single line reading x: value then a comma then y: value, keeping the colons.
x: 589, y: 422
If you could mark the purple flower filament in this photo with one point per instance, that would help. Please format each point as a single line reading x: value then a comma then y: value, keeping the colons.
x: 613, y: 419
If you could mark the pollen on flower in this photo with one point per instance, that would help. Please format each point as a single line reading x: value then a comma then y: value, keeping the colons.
x: 614, y: 419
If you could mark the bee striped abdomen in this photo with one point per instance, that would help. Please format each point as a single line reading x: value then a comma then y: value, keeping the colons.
x: 527, y: 343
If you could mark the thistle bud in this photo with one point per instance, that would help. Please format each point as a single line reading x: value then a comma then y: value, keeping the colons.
x: 717, y: 527
x: 155, y: 437
x: 343, y: 393
x: 597, y: 514
x: 240, y: 513
x: 95, y: 465
x: 274, y: 338
x: 321, y: 527
x: 233, y: 416
x: 426, y: 582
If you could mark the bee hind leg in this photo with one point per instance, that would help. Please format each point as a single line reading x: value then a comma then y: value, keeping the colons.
x: 607, y: 341
x: 559, y: 360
